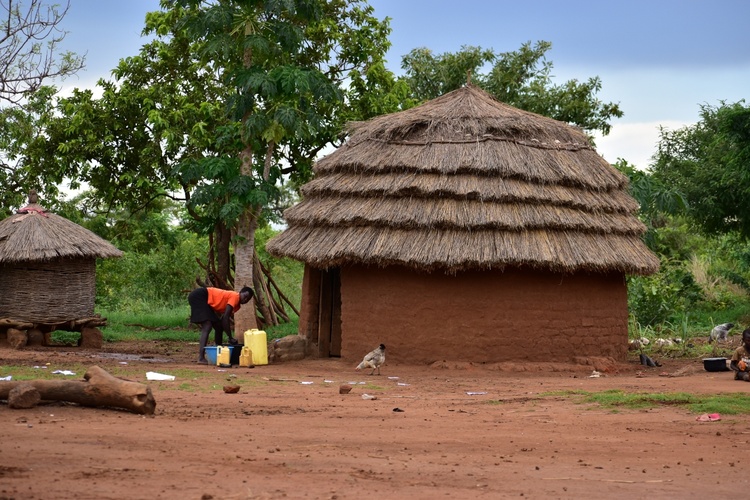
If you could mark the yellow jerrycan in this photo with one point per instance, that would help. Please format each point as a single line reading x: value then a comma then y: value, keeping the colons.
x: 224, y: 356
x: 256, y: 339
x: 246, y: 356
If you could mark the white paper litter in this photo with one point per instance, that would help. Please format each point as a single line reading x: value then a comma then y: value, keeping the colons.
x: 9, y: 377
x: 63, y: 372
x: 40, y: 367
x: 595, y: 374
x: 158, y: 376
x: 306, y: 382
x: 476, y: 393
x: 368, y: 396
x: 401, y: 383
x: 392, y: 378
x: 329, y: 381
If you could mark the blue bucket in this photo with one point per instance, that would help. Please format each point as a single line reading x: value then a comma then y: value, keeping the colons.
x: 210, y: 354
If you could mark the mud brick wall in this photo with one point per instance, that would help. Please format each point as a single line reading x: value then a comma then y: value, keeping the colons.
x: 308, y: 319
x: 484, y: 317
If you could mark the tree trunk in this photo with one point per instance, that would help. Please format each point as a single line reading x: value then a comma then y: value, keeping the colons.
x: 223, y: 261
x: 244, y: 250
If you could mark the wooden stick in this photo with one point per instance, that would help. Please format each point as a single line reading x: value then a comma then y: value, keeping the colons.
x: 278, y: 290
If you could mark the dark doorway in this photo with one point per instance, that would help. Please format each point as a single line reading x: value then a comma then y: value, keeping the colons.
x: 329, y: 314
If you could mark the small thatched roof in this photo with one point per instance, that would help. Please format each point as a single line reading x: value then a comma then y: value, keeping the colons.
x: 466, y: 182
x: 33, y: 234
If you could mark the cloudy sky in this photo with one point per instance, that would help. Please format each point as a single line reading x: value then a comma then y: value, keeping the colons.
x: 659, y: 59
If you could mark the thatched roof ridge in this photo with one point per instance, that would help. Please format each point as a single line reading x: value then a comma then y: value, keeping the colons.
x: 484, y: 158
x: 36, y: 235
x: 418, y: 213
x: 466, y: 186
x: 466, y: 182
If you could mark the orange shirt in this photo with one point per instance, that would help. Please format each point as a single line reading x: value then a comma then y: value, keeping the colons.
x: 218, y: 299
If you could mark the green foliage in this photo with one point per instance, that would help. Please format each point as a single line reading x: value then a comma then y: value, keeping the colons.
x: 709, y: 162
x: 22, y: 136
x: 521, y: 78
x: 138, y: 282
x: 662, y: 296
x: 656, y: 200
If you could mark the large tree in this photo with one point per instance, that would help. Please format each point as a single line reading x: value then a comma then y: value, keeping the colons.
x: 710, y: 163
x: 226, y: 98
x: 159, y: 116
x: 30, y: 34
x: 286, y: 62
x: 521, y: 78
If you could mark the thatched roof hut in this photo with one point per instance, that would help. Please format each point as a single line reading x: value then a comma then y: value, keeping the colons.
x: 461, y: 185
x: 48, y: 266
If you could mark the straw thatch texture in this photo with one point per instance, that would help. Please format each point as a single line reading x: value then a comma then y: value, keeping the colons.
x: 466, y: 182
x: 37, y: 235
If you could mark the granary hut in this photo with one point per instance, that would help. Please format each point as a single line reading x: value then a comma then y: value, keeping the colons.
x: 467, y: 230
x: 48, y: 271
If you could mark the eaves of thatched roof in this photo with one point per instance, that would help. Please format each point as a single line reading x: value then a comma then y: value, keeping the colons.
x: 466, y: 182
x: 37, y: 235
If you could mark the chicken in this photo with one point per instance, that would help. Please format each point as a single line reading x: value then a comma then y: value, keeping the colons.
x: 374, y: 359
x: 720, y: 331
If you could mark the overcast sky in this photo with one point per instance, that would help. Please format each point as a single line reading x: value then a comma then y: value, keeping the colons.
x: 659, y: 59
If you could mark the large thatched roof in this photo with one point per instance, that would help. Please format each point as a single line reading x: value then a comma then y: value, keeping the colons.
x: 34, y: 234
x: 466, y: 182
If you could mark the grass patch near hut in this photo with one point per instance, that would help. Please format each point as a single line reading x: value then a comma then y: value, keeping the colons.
x: 166, y: 324
x: 725, y: 403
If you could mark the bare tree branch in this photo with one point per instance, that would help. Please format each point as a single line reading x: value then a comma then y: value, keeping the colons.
x: 29, y: 42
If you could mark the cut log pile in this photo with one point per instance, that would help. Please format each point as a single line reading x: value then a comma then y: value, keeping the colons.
x: 98, y: 389
x: 20, y: 333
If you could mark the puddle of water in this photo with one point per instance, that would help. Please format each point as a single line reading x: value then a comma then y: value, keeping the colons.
x: 134, y: 357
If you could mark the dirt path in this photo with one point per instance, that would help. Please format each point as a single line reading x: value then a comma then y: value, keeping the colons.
x: 462, y: 432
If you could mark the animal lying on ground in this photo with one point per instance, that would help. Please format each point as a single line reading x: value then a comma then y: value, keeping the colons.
x: 720, y: 332
x: 374, y: 359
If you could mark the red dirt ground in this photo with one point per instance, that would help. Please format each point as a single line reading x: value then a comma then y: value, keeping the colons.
x: 521, y: 436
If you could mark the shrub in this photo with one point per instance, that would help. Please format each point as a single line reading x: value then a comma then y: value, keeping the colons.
x: 663, y: 296
x: 139, y: 282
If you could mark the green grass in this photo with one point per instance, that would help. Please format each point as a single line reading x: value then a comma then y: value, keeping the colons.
x: 284, y: 329
x: 157, y: 324
x: 615, y: 399
x: 186, y: 379
x: 20, y: 373
x: 162, y: 324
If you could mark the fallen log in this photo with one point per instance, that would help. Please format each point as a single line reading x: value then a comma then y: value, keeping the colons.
x: 99, y: 389
x: 23, y: 396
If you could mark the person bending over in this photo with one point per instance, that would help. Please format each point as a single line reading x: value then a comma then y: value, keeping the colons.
x: 213, y: 308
